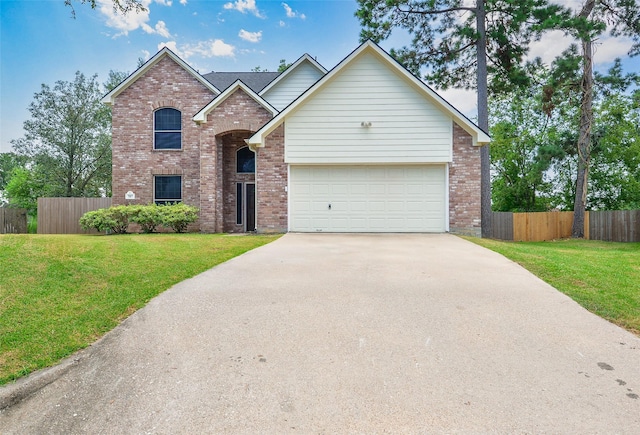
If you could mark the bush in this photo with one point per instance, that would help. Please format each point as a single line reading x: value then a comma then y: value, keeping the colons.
x: 178, y: 216
x: 116, y: 219
x: 147, y: 216
x: 113, y: 219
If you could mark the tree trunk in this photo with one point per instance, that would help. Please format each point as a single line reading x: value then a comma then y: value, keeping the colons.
x: 584, y: 141
x: 483, y: 121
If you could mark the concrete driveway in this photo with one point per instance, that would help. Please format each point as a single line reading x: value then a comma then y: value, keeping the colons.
x: 325, y: 333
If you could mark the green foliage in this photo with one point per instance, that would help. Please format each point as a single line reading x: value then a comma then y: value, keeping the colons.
x: 8, y: 162
x: 614, y: 173
x: 178, y: 216
x: 534, y: 135
x: 116, y: 219
x: 444, y: 37
x: 24, y: 188
x: 60, y: 293
x: 68, y: 137
x: 282, y: 67
x: 147, y: 216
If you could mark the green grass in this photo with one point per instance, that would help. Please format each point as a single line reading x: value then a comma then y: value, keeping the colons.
x: 60, y: 293
x: 603, y: 277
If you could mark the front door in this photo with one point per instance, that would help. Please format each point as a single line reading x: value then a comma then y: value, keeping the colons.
x: 250, y: 201
x: 246, y: 206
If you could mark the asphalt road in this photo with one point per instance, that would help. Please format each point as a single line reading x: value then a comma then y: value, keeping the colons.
x: 327, y: 333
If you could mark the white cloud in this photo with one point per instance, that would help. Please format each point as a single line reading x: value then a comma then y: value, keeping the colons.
x: 171, y: 45
x: 291, y: 13
x: 161, y: 29
x: 133, y: 20
x: 244, y: 6
x: 146, y: 55
x: 607, y: 49
x: 552, y: 44
x: 250, y: 36
x: 281, y: 23
x: 183, y: 2
x: 463, y: 100
x: 210, y: 48
x: 127, y: 22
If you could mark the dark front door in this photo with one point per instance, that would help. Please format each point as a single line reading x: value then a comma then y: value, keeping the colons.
x: 250, y: 201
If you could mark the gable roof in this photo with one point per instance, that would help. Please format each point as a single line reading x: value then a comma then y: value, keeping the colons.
x: 254, y: 80
x: 164, y: 52
x: 201, y: 116
x: 479, y: 136
x: 304, y: 58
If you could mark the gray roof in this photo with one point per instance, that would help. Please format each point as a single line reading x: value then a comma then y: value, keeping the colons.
x: 256, y: 81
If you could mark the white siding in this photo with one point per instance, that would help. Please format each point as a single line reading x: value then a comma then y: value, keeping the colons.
x: 380, y: 198
x: 292, y: 86
x: 405, y: 126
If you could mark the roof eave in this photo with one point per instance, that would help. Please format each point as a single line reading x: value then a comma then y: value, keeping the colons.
x: 109, y: 98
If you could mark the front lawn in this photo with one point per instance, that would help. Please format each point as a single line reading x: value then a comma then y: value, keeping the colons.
x: 603, y: 277
x: 59, y: 293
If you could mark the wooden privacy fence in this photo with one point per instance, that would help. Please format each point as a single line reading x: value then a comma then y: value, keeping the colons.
x: 13, y: 220
x: 617, y: 226
x: 61, y: 215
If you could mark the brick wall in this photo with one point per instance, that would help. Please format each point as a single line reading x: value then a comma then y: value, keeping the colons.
x: 135, y: 162
x: 228, y: 124
x: 271, y: 184
x: 464, y: 185
x: 231, y: 143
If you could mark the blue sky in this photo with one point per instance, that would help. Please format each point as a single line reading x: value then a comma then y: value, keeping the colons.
x: 41, y: 43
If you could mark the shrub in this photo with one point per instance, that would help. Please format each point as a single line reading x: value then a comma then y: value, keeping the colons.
x: 116, y: 219
x: 92, y: 220
x: 147, y: 216
x: 113, y: 219
x: 178, y: 216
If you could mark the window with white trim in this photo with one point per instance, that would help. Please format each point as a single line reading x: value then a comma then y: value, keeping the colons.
x: 167, y: 129
x: 167, y: 189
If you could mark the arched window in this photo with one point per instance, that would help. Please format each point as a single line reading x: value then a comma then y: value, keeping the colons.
x: 245, y: 161
x: 167, y: 129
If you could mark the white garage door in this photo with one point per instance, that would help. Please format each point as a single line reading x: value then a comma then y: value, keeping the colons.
x: 367, y: 198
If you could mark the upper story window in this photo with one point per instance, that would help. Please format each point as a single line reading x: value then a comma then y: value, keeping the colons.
x: 167, y: 129
x: 245, y: 161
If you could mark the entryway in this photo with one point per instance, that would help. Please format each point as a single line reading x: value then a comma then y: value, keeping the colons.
x: 246, y: 206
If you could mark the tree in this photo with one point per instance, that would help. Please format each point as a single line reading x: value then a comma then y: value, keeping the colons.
x: 120, y: 6
x: 8, y: 162
x: 25, y: 187
x: 283, y: 65
x: 525, y: 143
x: 68, y: 138
x: 477, y: 46
x: 621, y: 18
x: 535, y: 131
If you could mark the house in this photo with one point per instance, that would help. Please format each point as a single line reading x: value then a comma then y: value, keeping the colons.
x: 365, y: 147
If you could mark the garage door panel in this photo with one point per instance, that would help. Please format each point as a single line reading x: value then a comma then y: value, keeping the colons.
x: 367, y: 198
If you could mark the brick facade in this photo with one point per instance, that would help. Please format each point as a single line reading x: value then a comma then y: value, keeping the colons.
x: 464, y: 185
x: 227, y: 126
x: 135, y: 162
x: 271, y: 184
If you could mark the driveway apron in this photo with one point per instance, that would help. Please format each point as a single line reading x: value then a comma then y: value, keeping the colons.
x: 329, y: 333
